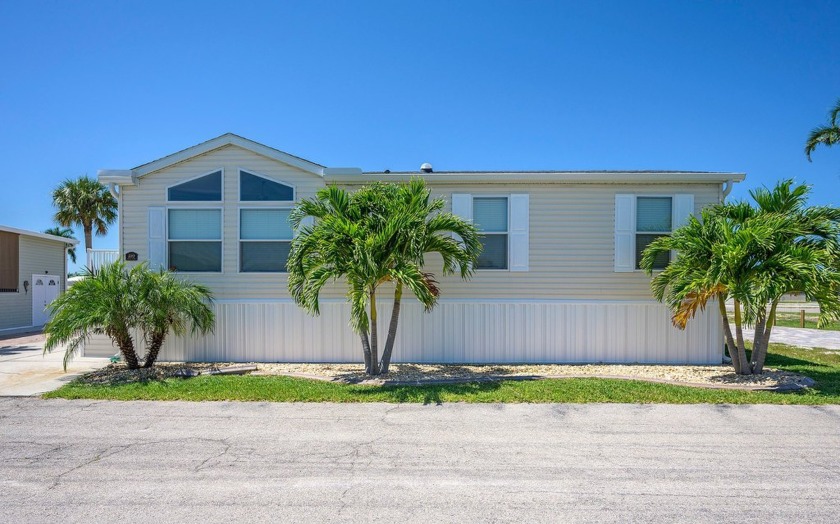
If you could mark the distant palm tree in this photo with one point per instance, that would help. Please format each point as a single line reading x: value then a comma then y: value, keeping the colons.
x: 64, y: 232
x: 827, y: 135
x: 85, y: 202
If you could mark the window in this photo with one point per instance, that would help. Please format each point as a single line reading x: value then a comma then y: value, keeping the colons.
x: 255, y: 188
x: 653, y: 220
x: 207, y: 188
x: 265, y: 238
x: 195, y: 240
x: 490, y: 216
x: 9, y: 262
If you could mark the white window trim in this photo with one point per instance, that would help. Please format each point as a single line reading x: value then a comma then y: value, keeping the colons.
x: 221, y: 239
x: 506, y: 196
x: 239, y: 238
x: 270, y: 179
x: 636, y: 231
x: 199, y: 202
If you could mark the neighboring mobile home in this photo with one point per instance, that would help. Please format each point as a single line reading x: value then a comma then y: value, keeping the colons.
x: 558, y: 280
x: 32, y: 270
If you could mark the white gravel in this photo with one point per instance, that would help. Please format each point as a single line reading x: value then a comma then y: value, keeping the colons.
x: 720, y: 376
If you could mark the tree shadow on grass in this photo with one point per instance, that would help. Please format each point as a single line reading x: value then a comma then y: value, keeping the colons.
x: 429, y: 394
x: 826, y: 374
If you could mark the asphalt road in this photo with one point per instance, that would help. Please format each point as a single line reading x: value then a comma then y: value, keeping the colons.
x: 248, y: 462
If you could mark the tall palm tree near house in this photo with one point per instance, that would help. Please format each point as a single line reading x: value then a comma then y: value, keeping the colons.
x: 64, y: 232
x: 87, y: 203
x: 375, y: 237
x: 118, y: 302
x: 826, y: 135
x: 752, y: 254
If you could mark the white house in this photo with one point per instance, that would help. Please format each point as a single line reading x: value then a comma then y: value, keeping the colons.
x: 558, y: 280
x: 32, y: 270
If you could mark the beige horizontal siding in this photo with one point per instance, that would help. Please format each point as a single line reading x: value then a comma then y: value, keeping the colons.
x: 571, y: 242
x: 37, y: 256
x: 571, y: 233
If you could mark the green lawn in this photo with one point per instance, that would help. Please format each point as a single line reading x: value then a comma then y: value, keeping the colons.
x: 793, y: 320
x: 824, y: 368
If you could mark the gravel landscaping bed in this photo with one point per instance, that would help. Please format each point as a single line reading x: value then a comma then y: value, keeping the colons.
x: 704, y: 376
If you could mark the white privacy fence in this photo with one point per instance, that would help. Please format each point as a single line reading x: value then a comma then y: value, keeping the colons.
x: 97, y: 258
x: 454, y: 332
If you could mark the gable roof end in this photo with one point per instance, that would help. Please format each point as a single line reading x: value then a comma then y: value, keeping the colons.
x: 120, y: 176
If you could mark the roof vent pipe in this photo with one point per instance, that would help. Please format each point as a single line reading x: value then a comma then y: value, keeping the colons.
x: 426, y: 167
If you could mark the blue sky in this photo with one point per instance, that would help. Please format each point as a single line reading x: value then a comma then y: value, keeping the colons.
x: 731, y: 86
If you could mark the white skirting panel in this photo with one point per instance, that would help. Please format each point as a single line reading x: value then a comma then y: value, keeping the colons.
x: 455, y: 332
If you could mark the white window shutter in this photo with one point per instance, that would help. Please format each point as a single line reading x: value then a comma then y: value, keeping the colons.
x: 682, y: 209
x: 157, y: 238
x: 519, y: 234
x: 625, y: 233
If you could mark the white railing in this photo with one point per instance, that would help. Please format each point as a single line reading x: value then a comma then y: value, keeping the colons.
x: 97, y: 258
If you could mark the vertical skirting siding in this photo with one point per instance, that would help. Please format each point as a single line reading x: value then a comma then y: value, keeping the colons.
x: 456, y: 331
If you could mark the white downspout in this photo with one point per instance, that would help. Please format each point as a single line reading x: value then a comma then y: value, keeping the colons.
x: 112, y: 187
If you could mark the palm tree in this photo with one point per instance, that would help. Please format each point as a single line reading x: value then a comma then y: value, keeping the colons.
x: 376, y: 235
x: 703, y: 271
x: 85, y: 202
x: 754, y: 255
x: 803, y: 257
x: 827, y: 135
x: 64, y: 232
x: 171, y: 305
x: 115, y: 301
x: 103, y: 302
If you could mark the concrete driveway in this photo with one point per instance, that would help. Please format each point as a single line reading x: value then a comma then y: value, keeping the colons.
x: 88, y: 461
x: 802, y: 337
x: 25, y: 370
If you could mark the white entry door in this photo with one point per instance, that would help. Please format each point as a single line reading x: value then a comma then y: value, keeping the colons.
x: 45, y: 289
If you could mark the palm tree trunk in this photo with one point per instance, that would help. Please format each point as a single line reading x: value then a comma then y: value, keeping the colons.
x: 727, y: 331
x: 88, y: 242
x: 126, y: 345
x: 758, y: 340
x: 155, y: 343
x: 366, y: 350
x: 759, y: 359
x: 744, y: 364
x: 374, y: 343
x: 392, y: 329
x: 739, y: 332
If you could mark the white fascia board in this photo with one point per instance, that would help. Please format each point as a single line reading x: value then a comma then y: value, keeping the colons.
x: 225, y: 140
x: 43, y: 236
x: 120, y: 177
x: 546, y: 177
